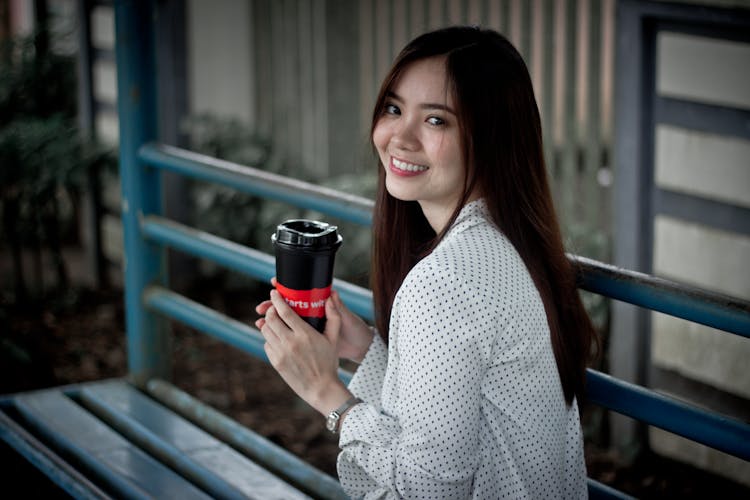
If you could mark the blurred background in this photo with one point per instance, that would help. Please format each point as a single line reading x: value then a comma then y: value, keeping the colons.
x: 645, y: 107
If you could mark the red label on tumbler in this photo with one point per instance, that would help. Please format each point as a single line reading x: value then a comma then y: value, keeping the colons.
x: 307, y: 303
x: 305, y: 251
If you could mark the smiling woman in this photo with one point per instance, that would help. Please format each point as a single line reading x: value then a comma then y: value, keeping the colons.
x: 468, y: 386
x: 419, y: 144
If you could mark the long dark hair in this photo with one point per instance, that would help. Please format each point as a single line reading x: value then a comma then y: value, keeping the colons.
x: 501, y: 139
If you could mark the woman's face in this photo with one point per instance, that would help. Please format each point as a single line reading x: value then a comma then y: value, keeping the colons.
x: 417, y: 139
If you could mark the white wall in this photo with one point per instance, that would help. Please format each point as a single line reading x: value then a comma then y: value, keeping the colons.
x: 716, y: 168
x: 219, y: 35
x: 707, y: 165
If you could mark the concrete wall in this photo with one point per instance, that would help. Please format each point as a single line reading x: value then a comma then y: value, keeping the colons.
x: 220, y: 63
x: 286, y: 70
x: 712, y: 167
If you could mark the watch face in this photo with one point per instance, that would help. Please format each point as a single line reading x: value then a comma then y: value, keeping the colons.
x: 331, y: 422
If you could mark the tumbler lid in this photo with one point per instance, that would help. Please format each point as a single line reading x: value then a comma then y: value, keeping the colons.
x: 307, y: 233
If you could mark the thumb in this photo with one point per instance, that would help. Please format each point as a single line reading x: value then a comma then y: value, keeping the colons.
x: 338, y: 303
x: 333, y: 322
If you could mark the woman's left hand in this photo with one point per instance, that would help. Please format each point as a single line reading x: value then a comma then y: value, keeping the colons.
x: 304, y: 358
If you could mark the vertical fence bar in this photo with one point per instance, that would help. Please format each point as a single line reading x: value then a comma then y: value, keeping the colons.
x: 416, y: 18
x: 505, y: 23
x: 312, y: 120
x: 264, y: 72
x: 279, y: 133
x: 383, y: 37
x: 494, y: 15
x: 570, y: 136
x: 400, y: 23
x: 525, y: 22
x: 141, y: 187
x: 592, y: 198
x: 474, y: 14
x: 548, y: 85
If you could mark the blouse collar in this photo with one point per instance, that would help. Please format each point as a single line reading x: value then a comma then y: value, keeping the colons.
x: 471, y: 214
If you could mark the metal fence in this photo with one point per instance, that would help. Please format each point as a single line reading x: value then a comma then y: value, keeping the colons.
x: 307, y: 89
x: 714, y: 430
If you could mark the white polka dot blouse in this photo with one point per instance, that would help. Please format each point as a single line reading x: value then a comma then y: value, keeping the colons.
x: 466, y: 400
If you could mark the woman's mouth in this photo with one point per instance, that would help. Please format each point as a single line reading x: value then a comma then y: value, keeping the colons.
x: 406, y: 169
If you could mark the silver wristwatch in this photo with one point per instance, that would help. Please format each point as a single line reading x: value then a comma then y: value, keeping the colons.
x: 332, y: 420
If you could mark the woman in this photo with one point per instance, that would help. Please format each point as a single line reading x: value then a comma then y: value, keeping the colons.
x: 469, y: 386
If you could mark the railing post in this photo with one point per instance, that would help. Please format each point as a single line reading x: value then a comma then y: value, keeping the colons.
x: 144, y: 263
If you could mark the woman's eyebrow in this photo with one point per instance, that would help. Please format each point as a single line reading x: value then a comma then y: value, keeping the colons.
x: 425, y: 105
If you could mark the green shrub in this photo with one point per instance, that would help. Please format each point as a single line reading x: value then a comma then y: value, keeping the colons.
x: 44, y: 160
x: 251, y: 220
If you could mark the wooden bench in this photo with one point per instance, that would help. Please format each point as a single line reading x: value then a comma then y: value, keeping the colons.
x: 109, y: 438
x: 141, y: 437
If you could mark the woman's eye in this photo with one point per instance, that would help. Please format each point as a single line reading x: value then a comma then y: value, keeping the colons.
x: 435, y: 120
x: 392, y: 109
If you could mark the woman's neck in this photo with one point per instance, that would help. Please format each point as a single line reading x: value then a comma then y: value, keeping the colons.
x: 439, y: 214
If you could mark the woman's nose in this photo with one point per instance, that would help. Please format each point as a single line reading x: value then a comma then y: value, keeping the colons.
x: 404, y: 136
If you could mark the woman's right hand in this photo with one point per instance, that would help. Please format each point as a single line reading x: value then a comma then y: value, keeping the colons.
x: 355, y: 336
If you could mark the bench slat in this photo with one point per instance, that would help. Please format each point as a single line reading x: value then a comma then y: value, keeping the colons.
x: 47, y: 461
x: 119, y: 465
x: 213, y: 465
x: 282, y: 462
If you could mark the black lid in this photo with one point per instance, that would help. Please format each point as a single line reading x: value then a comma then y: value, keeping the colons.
x: 306, y: 233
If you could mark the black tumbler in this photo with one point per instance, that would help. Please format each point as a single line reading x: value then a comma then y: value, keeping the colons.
x: 305, y: 251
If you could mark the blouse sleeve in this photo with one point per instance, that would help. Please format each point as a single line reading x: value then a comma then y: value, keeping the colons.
x: 367, y: 382
x: 429, y: 447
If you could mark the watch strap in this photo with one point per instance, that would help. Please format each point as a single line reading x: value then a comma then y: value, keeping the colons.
x: 333, y: 420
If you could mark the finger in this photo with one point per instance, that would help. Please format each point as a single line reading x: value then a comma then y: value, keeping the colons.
x: 286, y: 313
x: 269, y: 334
x: 271, y: 354
x: 279, y: 326
x: 259, y: 323
x: 333, y: 322
x: 274, y: 282
x: 337, y: 301
x: 263, y: 307
x: 273, y: 320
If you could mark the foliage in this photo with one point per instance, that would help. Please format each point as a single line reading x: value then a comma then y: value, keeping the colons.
x: 44, y: 161
x: 353, y: 260
x: 35, y: 84
x: 251, y: 220
x: 214, y: 205
x: 593, y: 243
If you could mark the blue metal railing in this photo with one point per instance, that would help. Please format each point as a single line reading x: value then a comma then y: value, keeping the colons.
x: 258, y: 182
x: 657, y: 294
x: 149, y: 301
x: 686, y: 302
x: 714, y: 430
x: 141, y: 188
x: 725, y: 434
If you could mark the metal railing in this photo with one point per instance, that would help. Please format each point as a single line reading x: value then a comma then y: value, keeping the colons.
x: 722, y: 433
